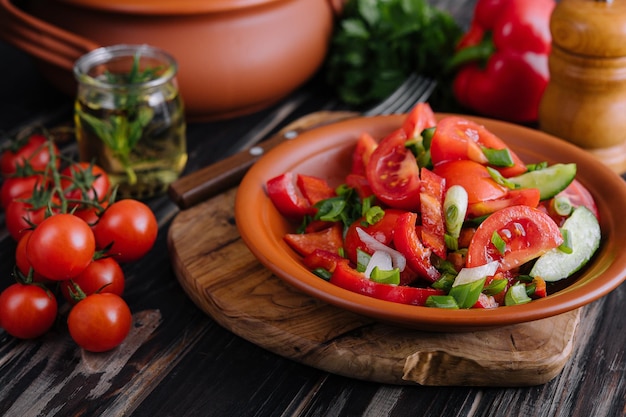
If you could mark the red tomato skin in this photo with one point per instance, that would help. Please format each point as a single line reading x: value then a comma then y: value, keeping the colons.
x: 406, y: 241
x: 526, y: 197
x: 99, y: 322
x: 314, y: 189
x: 35, y: 151
x: 15, y: 187
x: 130, y: 227
x: 393, y: 174
x: 472, y: 176
x: 287, y: 198
x: 27, y: 311
x: 419, y: 118
x: 104, y: 275
x: 320, y: 258
x: 98, y: 189
x: 431, y: 206
x: 61, y: 247
x: 21, y: 259
x: 329, y: 239
x: 382, y: 231
x: 528, y: 233
x: 365, y: 146
x: 350, y: 279
x: 457, y: 138
x: 20, y: 214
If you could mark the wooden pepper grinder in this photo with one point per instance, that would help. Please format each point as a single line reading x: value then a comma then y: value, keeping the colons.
x: 585, y: 100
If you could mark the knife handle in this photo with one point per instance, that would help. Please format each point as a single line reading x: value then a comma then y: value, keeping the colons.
x: 216, y: 178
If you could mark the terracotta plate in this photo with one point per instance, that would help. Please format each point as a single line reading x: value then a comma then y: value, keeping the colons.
x: 326, y: 152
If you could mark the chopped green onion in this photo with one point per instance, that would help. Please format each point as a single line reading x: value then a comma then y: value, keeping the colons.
x: 498, y: 157
x: 385, y: 277
x: 516, y: 295
x: 466, y: 295
x: 442, y: 301
x: 322, y: 273
x: 498, y: 242
x: 455, y: 208
x: 567, y: 245
x: 500, y: 179
x: 495, y: 287
x: 362, y: 259
x: 427, y: 136
x: 562, y: 206
x: 374, y: 214
x: 444, y: 282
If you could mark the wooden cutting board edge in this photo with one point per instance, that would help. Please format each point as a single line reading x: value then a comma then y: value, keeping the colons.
x: 225, y: 280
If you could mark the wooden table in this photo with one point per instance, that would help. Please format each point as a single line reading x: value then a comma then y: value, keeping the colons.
x: 179, y: 362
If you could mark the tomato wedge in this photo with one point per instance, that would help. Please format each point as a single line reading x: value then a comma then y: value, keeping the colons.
x: 527, y: 233
x: 419, y: 118
x: 365, y: 146
x: 431, y: 206
x: 458, y: 138
x: 406, y: 241
x: 287, y: 197
x: 472, y: 176
x: 329, y: 239
x: 382, y: 231
x: 393, y: 173
x: 350, y: 279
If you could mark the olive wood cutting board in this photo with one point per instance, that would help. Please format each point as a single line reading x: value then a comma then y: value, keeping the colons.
x: 224, y: 279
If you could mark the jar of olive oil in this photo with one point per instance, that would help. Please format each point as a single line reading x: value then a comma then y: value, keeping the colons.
x: 129, y: 117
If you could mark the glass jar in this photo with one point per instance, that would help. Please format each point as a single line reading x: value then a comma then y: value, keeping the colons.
x: 129, y: 117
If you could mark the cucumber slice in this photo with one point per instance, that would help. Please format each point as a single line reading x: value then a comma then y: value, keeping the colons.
x: 584, y: 230
x: 550, y: 181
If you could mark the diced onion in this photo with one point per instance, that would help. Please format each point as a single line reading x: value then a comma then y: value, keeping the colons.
x: 398, y: 260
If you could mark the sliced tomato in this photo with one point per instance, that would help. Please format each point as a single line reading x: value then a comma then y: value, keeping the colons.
x: 321, y: 258
x: 360, y: 184
x: 431, y: 206
x: 406, y: 240
x: 329, y: 239
x: 526, y: 232
x: 314, y: 189
x: 382, y: 231
x: 472, y: 176
x: 458, y: 138
x: 419, y: 118
x: 393, y: 174
x: 523, y: 197
x: 365, y: 146
x: 287, y: 197
x: 350, y: 279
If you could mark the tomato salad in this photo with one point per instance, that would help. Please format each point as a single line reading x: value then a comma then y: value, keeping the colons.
x: 441, y: 214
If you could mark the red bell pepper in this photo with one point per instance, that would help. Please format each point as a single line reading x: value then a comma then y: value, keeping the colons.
x: 502, y: 60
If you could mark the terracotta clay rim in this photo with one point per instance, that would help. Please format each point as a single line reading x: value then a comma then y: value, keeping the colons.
x: 168, y: 7
x: 259, y: 225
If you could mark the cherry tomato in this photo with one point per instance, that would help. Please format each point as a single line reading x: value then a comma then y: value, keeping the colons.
x: 61, y: 247
x: 287, y: 196
x: 393, y: 173
x: 526, y: 232
x: 16, y: 186
x: 84, y: 181
x: 99, y: 322
x: 21, y: 259
x: 458, y: 138
x: 130, y: 227
x: 103, y: 275
x: 27, y: 310
x: 24, y: 212
x: 35, y: 151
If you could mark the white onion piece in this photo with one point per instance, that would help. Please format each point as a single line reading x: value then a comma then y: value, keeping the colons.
x: 397, y: 259
x: 380, y: 259
x: 467, y: 275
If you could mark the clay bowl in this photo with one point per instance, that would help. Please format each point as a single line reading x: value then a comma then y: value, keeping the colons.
x: 234, y: 56
x: 326, y: 152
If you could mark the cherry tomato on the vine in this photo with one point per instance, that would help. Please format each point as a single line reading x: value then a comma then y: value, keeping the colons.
x: 27, y: 310
x: 27, y: 210
x: 35, y: 151
x: 84, y: 181
x: 99, y: 322
x: 14, y: 187
x: 61, y: 247
x: 102, y: 275
x: 21, y: 259
x: 130, y: 227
